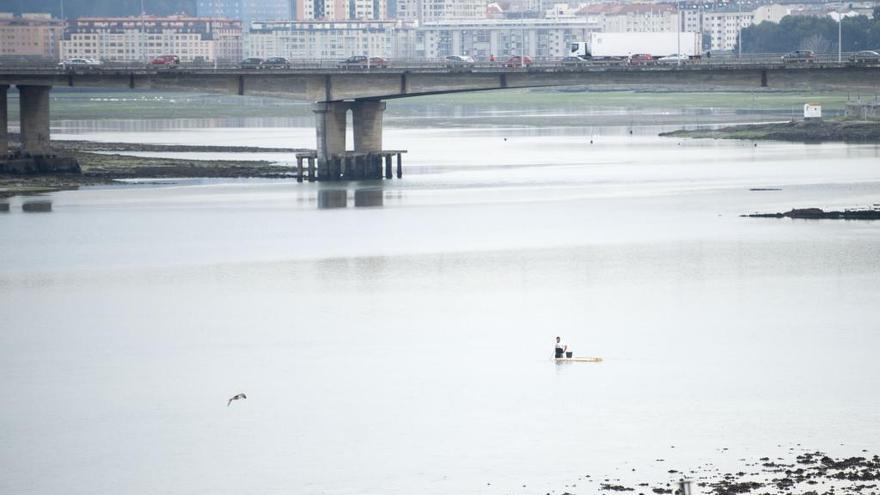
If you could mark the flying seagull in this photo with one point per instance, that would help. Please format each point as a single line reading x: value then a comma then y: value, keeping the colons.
x: 236, y: 397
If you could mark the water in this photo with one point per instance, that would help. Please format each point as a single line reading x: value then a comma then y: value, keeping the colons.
x: 395, y: 337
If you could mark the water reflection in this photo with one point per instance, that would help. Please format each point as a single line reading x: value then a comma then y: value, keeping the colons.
x: 38, y: 206
x: 4, y: 207
x: 365, y: 198
x: 368, y: 197
x: 332, y: 198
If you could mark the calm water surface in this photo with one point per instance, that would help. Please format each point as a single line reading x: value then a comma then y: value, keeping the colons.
x: 395, y: 337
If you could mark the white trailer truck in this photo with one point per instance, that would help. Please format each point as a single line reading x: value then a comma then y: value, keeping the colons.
x: 618, y: 45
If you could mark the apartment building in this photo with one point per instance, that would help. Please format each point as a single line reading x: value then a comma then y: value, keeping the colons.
x: 341, y: 10
x: 246, y: 10
x: 140, y: 39
x: 331, y: 40
x: 631, y: 18
x: 484, y: 38
x: 31, y: 36
x: 438, y: 10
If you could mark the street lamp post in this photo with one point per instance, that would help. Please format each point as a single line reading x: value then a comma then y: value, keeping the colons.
x: 739, y: 22
x: 839, y: 38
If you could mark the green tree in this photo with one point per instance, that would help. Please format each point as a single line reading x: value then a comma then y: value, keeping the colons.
x: 811, y: 33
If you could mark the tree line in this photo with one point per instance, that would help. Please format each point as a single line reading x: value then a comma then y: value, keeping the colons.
x: 813, y: 33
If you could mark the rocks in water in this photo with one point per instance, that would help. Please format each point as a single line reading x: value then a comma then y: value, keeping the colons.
x: 24, y: 164
x: 615, y: 488
x: 819, y: 214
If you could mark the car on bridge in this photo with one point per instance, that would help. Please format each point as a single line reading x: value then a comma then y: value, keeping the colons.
x: 459, y: 61
x: 362, y: 62
x: 799, y: 57
x: 275, y: 63
x: 673, y: 59
x: 80, y: 63
x: 518, y: 61
x: 641, y: 59
x: 251, y: 63
x: 865, y: 57
x: 167, y: 60
x: 573, y: 61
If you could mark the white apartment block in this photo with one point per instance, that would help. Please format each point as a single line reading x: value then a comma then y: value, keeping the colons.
x: 723, y: 25
x: 341, y: 10
x: 438, y: 10
x: 631, y: 18
x: 331, y: 40
x: 140, y: 39
x: 501, y: 38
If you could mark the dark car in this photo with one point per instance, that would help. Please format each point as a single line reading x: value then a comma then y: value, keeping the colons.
x: 799, y: 57
x: 275, y: 63
x: 460, y: 61
x: 641, y: 59
x: 362, y: 62
x: 865, y: 57
x: 251, y: 63
x: 569, y: 61
x: 518, y: 61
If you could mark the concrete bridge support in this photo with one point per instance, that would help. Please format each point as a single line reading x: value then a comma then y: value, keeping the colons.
x: 34, y: 118
x: 4, y: 121
x: 367, y: 121
x: 334, y: 162
x: 330, y: 131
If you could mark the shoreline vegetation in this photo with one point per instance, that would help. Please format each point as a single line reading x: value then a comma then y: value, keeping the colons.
x: 801, y: 131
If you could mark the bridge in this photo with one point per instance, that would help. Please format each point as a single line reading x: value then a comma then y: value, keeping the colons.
x: 337, y: 91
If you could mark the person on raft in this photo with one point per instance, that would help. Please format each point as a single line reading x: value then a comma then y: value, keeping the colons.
x: 561, y: 349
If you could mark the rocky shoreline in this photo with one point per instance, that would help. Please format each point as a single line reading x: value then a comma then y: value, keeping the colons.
x: 819, y: 214
x: 808, y: 473
x: 105, y: 163
x: 802, y: 131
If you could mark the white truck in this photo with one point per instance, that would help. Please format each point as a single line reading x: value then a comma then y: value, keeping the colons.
x: 618, y: 45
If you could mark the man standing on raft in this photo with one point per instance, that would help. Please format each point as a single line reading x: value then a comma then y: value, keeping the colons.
x: 561, y: 348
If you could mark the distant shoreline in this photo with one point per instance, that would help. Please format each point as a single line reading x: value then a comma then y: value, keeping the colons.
x: 802, y: 131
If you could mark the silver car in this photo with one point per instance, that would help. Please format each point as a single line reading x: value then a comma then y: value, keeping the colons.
x: 460, y: 61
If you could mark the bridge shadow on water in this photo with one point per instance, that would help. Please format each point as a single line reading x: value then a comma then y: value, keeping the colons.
x: 362, y: 197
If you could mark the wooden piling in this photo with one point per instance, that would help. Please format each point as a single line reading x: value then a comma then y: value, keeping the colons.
x: 312, y: 175
x: 299, y: 169
x: 399, y: 166
x: 388, y: 165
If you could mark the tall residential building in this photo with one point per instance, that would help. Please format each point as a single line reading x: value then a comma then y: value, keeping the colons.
x: 140, y: 39
x: 484, y: 38
x: 724, y: 26
x: 342, y: 10
x: 331, y: 40
x: 32, y: 36
x: 438, y: 10
x: 246, y: 10
x: 635, y: 18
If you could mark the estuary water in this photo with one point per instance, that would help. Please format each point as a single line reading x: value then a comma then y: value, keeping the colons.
x: 396, y: 337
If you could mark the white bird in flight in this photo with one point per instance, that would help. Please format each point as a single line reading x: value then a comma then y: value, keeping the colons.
x: 235, y: 397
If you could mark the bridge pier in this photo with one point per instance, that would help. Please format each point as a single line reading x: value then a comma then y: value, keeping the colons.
x: 34, y: 118
x: 366, y: 117
x: 4, y: 122
x: 330, y: 131
x: 334, y: 162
